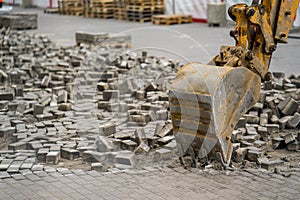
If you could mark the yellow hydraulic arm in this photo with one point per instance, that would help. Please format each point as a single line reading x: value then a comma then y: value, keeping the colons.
x: 259, y: 28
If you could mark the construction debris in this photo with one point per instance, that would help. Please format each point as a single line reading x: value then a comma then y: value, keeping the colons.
x: 63, y: 104
x: 272, y: 124
x: 101, y: 106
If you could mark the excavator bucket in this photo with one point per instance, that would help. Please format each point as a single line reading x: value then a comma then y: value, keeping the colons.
x: 206, y: 103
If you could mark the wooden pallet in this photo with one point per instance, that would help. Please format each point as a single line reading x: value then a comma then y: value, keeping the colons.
x: 100, y: 15
x: 139, y: 15
x: 71, y: 7
x: 171, y: 19
x: 138, y: 8
x: 142, y: 20
x: 99, y: 8
x: 51, y: 10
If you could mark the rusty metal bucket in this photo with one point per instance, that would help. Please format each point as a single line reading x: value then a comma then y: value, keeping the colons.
x: 206, y: 103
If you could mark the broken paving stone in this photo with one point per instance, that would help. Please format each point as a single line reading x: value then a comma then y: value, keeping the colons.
x: 258, y: 107
x: 163, y: 129
x: 110, y: 94
x: 107, y: 129
x: 142, y: 148
x: 263, y: 119
x: 126, y: 158
x: 241, y: 123
x: 128, y: 145
x: 236, y: 135
x: 251, y: 119
x: 122, y: 167
x: 293, y: 146
x: 283, y: 121
x: 153, y: 141
x: 7, y: 131
x: 17, y: 146
x: 171, y: 146
x: 6, y: 96
x: 272, y: 128
x: 62, y: 96
x: 41, y: 154
x: 55, y: 147
x: 141, y: 119
x: 288, y: 138
x: 65, y: 107
x: 271, y: 165
x: 240, y: 154
x: 288, y: 107
x: 294, y: 121
x: 253, y: 155
x: 278, y: 143
x: 123, y: 136
x: 52, y: 157
x: 38, y: 109
x: 140, y: 94
x: 140, y: 135
x: 45, y: 116
x: 165, y: 140
x: 102, y: 86
x: 263, y: 132
x: 45, y: 81
x: 94, y: 156
x: 163, y: 154
x: 97, y: 167
x: 103, y: 144
x: 69, y: 154
x: 259, y: 143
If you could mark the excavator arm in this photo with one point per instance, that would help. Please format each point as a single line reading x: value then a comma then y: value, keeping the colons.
x: 206, y: 101
x: 259, y: 28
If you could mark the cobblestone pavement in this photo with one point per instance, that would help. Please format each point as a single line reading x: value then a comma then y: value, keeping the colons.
x: 152, y: 183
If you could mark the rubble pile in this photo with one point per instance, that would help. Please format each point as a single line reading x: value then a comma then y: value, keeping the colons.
x: 80, y: 103
x: 108, y: 109
x: 270, y: 125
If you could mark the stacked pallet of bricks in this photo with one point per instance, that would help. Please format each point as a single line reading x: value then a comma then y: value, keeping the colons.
x: 100, y: 8
x: 120, y: 9
x: 71, y: 7
x: 103, y: 39
x: 19, y: 21
x: 171, y: 19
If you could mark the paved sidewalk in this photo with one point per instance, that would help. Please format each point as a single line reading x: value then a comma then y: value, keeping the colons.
x: 152, y: 184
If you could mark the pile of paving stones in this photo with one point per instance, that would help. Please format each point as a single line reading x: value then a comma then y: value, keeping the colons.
x: 94, y: 104
x: 109, y: 109
x: 272, y: 124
